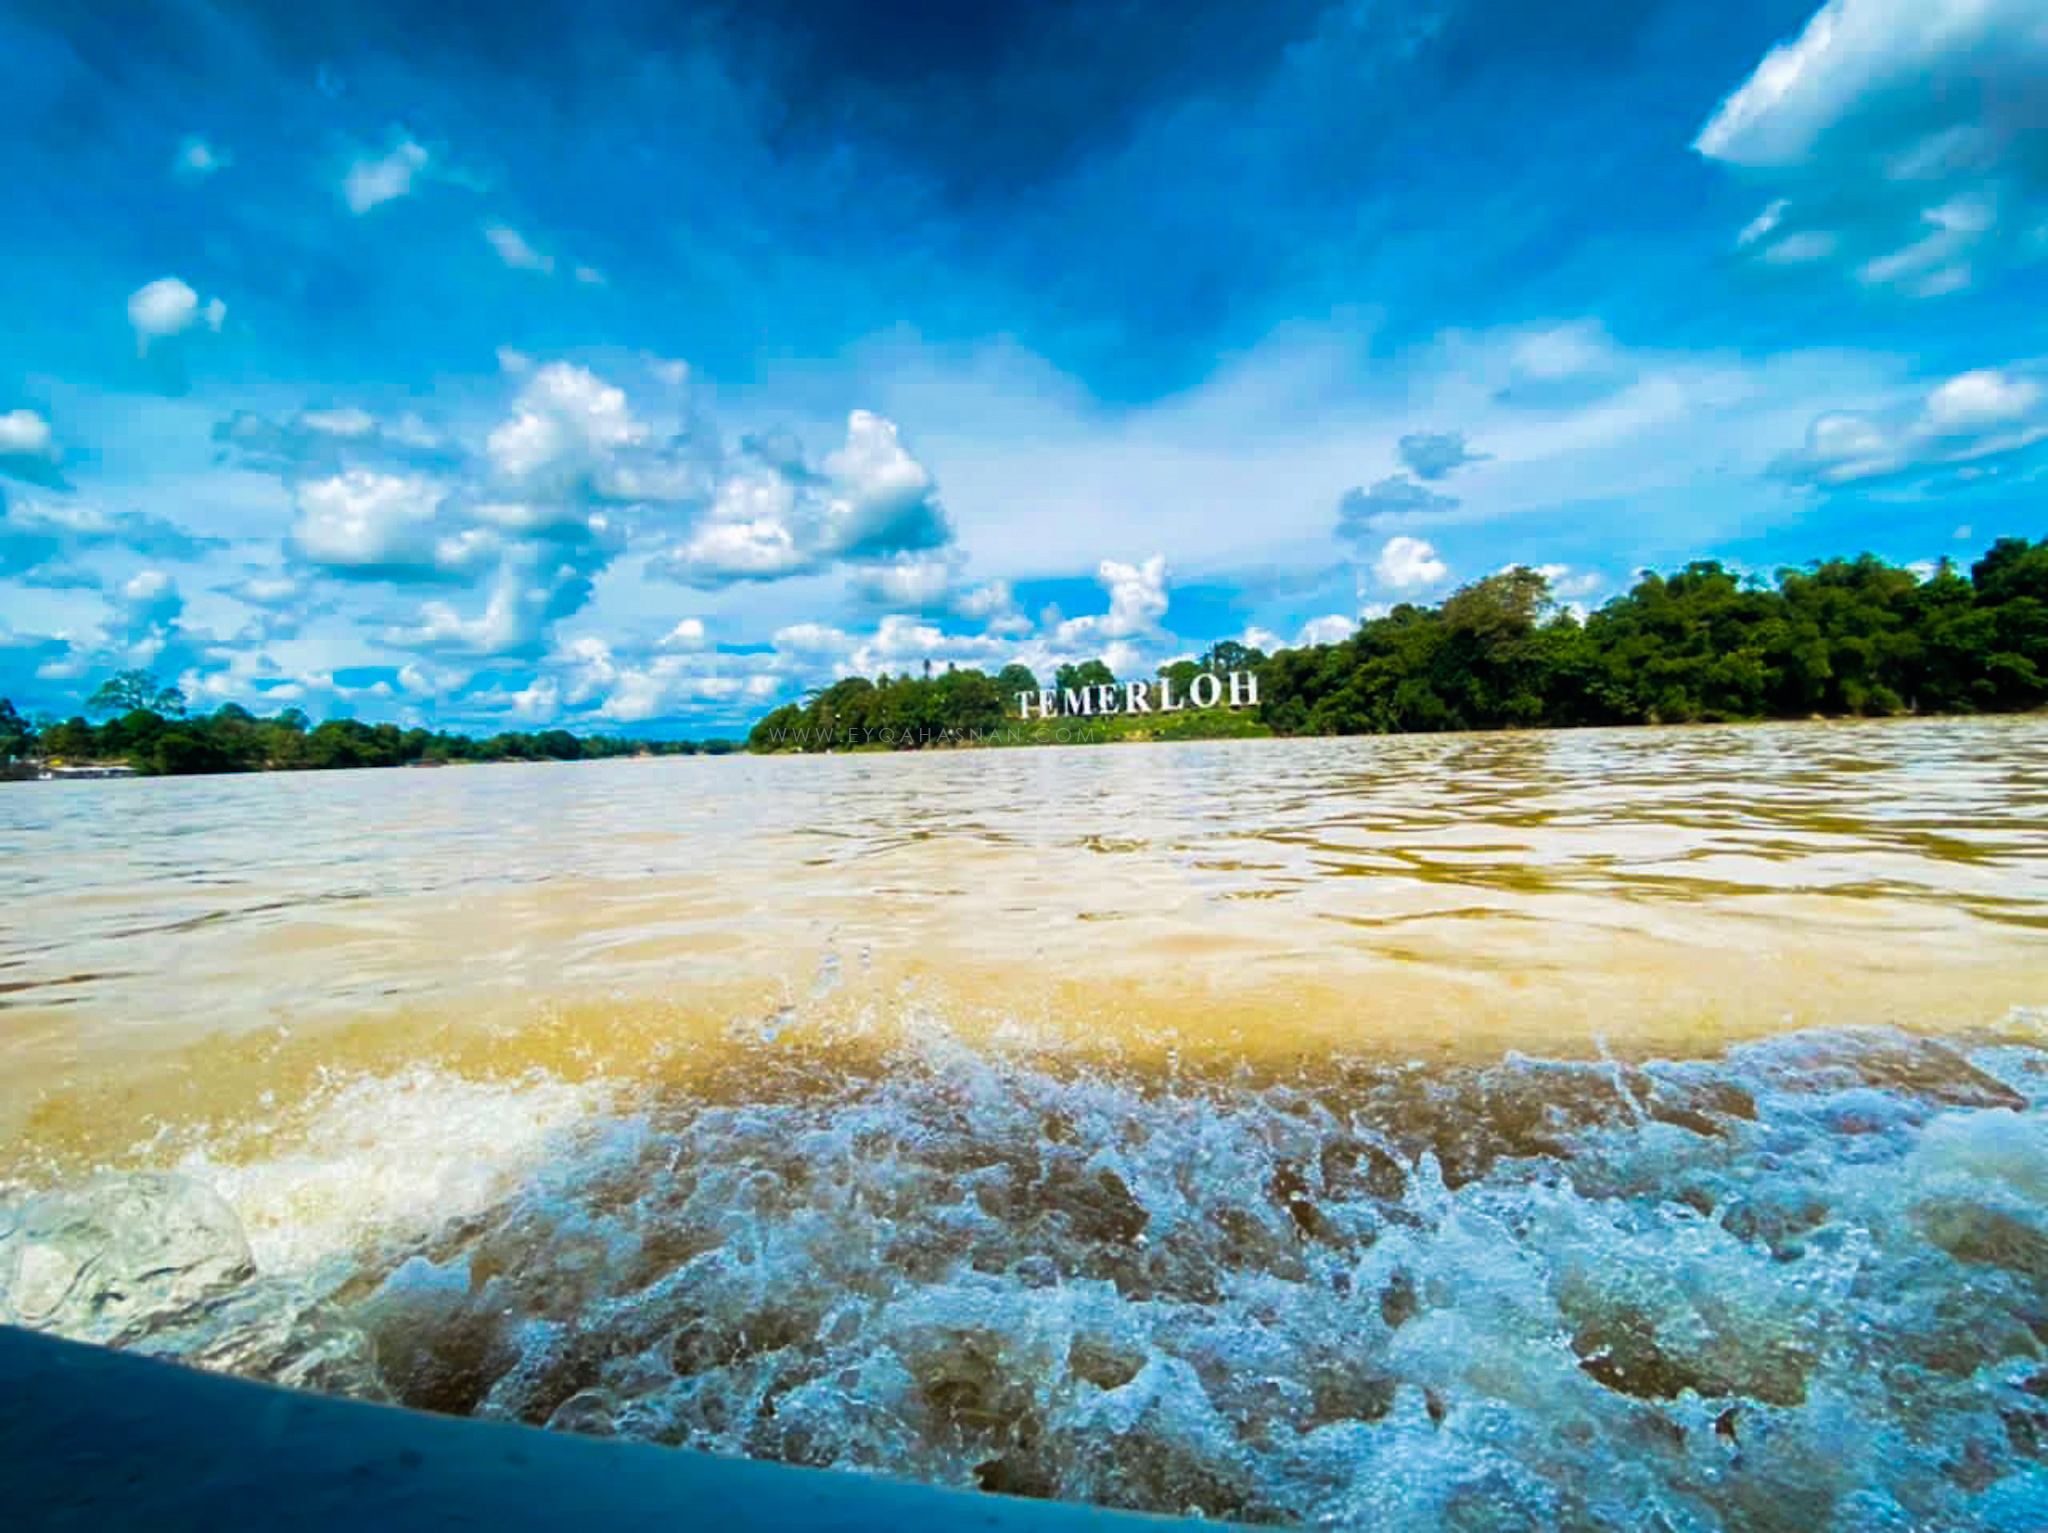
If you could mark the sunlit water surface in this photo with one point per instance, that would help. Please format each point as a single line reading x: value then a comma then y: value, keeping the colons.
x: 1632, y: 1129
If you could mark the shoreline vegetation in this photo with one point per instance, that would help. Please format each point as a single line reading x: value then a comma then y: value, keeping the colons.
x: 148, y: 729
x: 1842, y: 638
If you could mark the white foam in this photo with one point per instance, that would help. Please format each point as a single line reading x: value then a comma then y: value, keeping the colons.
x: 391, y: 1157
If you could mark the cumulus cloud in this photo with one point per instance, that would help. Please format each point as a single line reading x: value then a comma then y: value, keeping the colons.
x: 933, y: 584
x: 423, y: 679
x: 993, y: 605
x: 373, y: 180
x: 1433, y: 454
x: 28, y: 451
x: 515, y: 252
x: 360, y: 522
x: 869, y: 503
x: 687, y: 634
x: 528, y: 518
x: 726, y: 551
x: 167, y: 307
x: 813, y: 639
x: 628, y: 688
x: 1906, y: 137
x: 1971, y: 422
x: 1333, y: 629
x: 1137, y: 602
x: 884, y: 500
x: 564, y: 417
x: 900, y: 643
x: 24, y: 433
x: 1407, y: 564
x: 573, y: 435
x: 908, y: 581
x: 505, y: 626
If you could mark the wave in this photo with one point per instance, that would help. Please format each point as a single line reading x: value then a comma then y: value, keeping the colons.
x: 1803, y: 1285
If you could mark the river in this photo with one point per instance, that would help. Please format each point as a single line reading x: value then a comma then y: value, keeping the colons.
x: 1481, y: 1130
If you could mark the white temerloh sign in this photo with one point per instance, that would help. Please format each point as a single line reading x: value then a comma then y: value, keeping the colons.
x: 1207, y: 690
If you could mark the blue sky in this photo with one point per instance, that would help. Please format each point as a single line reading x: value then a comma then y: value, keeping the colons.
x: 637, y: 366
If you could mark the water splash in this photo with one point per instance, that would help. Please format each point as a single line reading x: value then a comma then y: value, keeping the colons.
x: 1804, y: 1286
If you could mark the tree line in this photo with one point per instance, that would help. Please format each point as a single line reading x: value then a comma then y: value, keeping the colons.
x: 1835, y: 638
x: 147, y: 725
x: 1841, y: 637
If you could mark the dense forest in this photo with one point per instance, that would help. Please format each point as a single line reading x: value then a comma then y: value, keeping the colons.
x: 146, y: 725
x: 1845, y: 637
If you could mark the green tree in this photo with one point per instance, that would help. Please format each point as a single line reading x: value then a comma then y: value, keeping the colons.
x: 17, y: 735
x: 126, y: 691
x: 1014, y: 678
x: 1089, y: 673
x: 1227, y: 655
x: 185, y: 753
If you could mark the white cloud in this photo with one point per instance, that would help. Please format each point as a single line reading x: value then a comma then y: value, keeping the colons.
x: 1332, y: 629
x: 814, y: 639
x: 1408, y: 564
x: 514, y: 251
x: 537, y: 702
x: 1137, y: 601
x: 590, y: 276
x: 870, y: 504
x: 422, y: 679
x: 1971, y: 419
x: 687, y: 634
x: 1566, y: 584
x: 169, y: 306
x: 1979, y: 401
x: 374, y: 180
x: 907, y: 581
x: 513, y: 620
x: 586, y: 671
x: 883, y: 499
x: 566, y: 430
x: 25, y: 434
x: 359, y: 520
x: 1563, y: 353
x: 994, y: 606
x: 901, y: 644
x: 198, y: 159
x: 150, y: 589
x: 666, y: 689
x: 1900, y: 131
x: 725, y: 551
